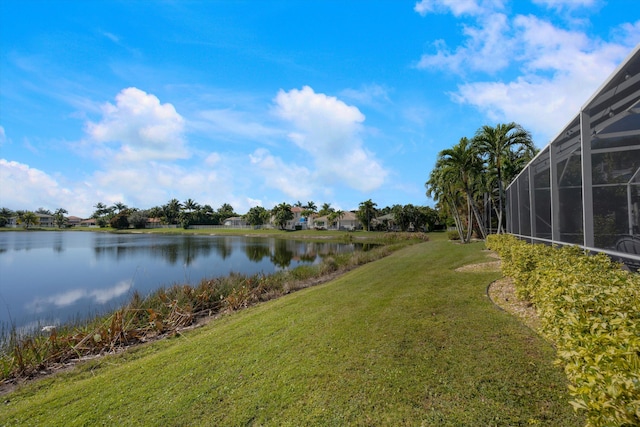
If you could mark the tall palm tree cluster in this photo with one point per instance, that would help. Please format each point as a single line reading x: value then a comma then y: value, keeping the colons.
x: 173, y: 212
x: 469, y: 178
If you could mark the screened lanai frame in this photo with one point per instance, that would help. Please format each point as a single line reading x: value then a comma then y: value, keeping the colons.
x: 583, y: 188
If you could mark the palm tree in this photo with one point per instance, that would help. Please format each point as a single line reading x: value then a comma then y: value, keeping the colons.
x: 367, y: 212
x: 28, y: 218
x: 445, y: 191
x: 171, y: 211
x: 334, y: 217
x: 326, y: 209
x: 119, y: 206
x: 497, y: 144
x: 308, y: 210
x: 190, y: 205
x: 154, y: 212
x: 282, y: 213
x: 207, y: 214
x: 58, y: 217
x: 463, y: 163
x: 186, y: 215
x: 5, y: 214
x: 100, y: 210
x: 226, y: 211
x: 515, y: 162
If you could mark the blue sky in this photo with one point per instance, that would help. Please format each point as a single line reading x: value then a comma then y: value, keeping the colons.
x: 262, y: 102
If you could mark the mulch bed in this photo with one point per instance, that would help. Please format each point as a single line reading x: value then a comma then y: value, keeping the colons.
x: 502, y: 293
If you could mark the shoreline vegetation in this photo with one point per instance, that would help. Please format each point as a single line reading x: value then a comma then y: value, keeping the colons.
x: 172, y: 309
x: 375, y: 237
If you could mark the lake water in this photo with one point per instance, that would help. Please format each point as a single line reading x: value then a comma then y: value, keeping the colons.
x: 54, y: 277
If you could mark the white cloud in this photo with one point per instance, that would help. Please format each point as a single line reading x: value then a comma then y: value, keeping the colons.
x: 253, y: 202
x: 146, y: 185
x: 212, y: 159
x: 487, y: 48
x: 546, y: 47
x: 111, y: 37
x: 373, y: 95
x: 629, y: 33
x: 561, y: 70
x: 232, y: 124
x: 456, y: 7
x: 294, y: 181
x: 156, y: 182
x: 565, y: 4
x: 312, y: 112
x: 549, y: 71
x: 141, y: 127
x: 25, y: 187
x: 28, y: 188
x: 329, y: 130
x: 3, y: 136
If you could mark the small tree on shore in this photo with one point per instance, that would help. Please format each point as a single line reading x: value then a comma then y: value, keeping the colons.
x: 257, y: 215
x: 138, y: 219
x: 27, y: 219
x: 282, y: 213
x: 120, y: 221
x: 5, y: 214
x: 59, y: 218
x: 225, y: 211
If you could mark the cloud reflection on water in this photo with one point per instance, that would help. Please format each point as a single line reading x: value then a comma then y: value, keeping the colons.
x: 86, y: 277
x: 65, y: 299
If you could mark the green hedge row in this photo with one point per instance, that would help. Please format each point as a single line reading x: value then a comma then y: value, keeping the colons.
x: 590, y: 309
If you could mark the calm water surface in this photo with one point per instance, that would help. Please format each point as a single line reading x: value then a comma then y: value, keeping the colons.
x: 55, y: 277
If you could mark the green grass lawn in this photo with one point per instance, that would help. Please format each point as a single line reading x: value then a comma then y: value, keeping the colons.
x: 401, y: 341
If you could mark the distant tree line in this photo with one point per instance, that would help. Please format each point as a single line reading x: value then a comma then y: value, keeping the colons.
x: 189, y: 212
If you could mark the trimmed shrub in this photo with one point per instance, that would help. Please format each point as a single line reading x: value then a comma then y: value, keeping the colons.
x: 590, y: 309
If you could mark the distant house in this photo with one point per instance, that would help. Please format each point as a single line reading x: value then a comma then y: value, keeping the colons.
x: 349, y: 221
x: 387, y: 221
x: 90, y: 222
x: 235, y: 221
x: 73, y: 221
x: 44, y: 220
x: 153, y: 223
x: 298, y: 221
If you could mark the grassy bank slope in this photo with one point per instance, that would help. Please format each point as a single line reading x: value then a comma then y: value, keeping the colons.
x: 401, y: 341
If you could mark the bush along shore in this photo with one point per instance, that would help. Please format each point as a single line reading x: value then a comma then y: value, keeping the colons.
x: 169, y: 310
x: 590, y: 309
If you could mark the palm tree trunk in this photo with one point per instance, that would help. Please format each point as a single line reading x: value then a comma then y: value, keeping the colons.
x: 497, y: 212
x: 501, y: 196
x: 469, y: 221
x: 456, y: 218
x: 474, y: 209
